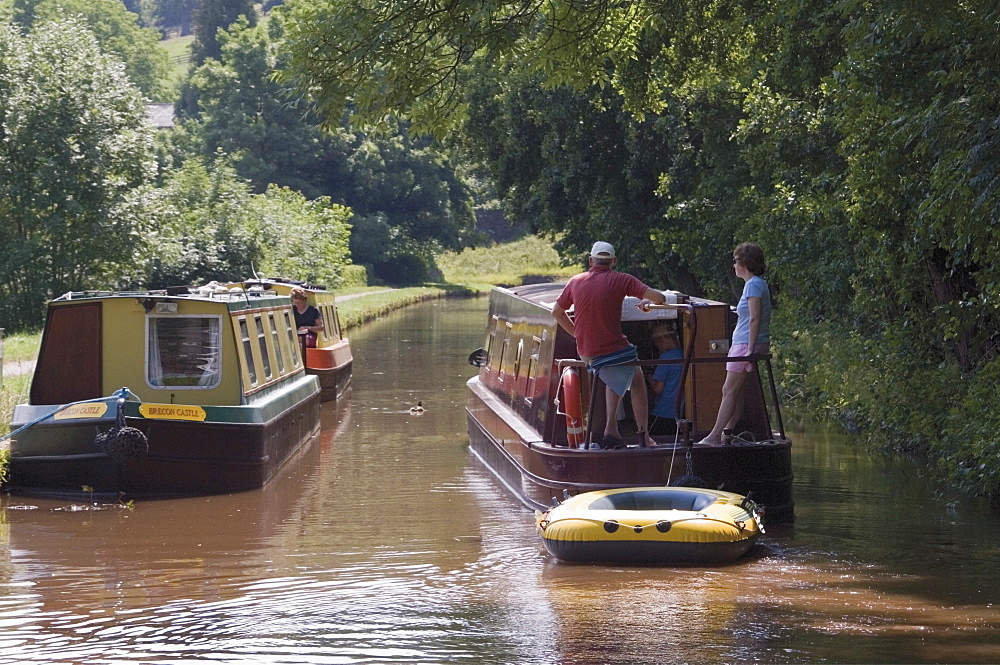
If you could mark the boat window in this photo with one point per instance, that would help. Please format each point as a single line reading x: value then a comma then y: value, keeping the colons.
x: 183, y: 352
x: 492, y: 361
x: 293, y: 339
x: 536, y: 346
x: 332, y: 323
x: 248, y: 364
x: 265, y: 357
x: 276, y: 339
x: 508, y: 329
x: 517, y: 358
x: 331, y: 326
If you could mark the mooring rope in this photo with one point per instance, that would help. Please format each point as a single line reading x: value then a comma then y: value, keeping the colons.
x: 123, y: 393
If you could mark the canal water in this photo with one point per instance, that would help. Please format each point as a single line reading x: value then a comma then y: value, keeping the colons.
x: 385, y: 542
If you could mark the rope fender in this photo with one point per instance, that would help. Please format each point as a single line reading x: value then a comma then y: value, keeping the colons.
x: 122, y: 442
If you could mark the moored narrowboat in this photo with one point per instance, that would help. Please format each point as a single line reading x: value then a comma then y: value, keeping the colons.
x: 161, y: 394
x: 532, y: 412
x: 329, y: 359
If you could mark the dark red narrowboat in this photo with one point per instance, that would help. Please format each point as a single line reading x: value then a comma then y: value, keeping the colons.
x: 523, y: 428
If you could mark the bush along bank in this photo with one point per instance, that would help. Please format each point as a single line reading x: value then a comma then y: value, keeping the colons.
x: 896, y: 397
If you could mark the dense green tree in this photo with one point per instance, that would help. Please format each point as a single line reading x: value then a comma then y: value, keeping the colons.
x: 303, y: 239
x: 262, y: 124
x: 576, y: 165
x: 409, y: 57
x: 919, y: 131
x: 212, y: 227
x: 389, y: 178
x: 74, y: 149
x: 118, y: 33
x: 209, y: 17
x: 204, y: 231
x: 175, y: 13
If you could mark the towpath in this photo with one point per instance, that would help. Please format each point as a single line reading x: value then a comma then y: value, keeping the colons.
x: 18, y: 367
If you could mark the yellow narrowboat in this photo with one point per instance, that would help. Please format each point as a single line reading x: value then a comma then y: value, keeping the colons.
x: 164, y: 393
x: 330, y: 360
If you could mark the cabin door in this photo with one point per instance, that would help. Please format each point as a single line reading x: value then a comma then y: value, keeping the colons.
x: 69, y: 361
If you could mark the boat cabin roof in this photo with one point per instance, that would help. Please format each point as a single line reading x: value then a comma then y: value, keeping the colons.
x: 234, y: 299
x: 545, y: 295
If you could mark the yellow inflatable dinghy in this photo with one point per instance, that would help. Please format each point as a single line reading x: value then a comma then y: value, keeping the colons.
x: 665, y: 525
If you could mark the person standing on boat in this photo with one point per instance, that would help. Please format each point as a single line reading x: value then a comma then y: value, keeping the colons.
x: 665, y: 380
x: 307, y: 318
x: 752, y: 335
x: 596, y: 297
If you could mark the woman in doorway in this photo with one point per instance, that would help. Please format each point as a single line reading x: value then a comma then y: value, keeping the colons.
x: 307, y: 318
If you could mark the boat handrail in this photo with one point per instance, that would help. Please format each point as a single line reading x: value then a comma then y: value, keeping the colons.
x: 687, y: 361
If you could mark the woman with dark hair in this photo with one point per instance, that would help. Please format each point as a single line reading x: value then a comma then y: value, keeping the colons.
x: 307, y: 318
x: 752, y: 335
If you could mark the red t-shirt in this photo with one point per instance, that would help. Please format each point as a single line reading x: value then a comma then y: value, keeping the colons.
x: 596, y: 297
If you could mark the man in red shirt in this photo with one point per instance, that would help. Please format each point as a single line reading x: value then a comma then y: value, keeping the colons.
x: 596, y: 297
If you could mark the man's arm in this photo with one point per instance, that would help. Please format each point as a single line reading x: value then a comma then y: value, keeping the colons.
x: 651, y: 296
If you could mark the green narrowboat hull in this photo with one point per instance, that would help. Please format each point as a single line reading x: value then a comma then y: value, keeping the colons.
x: 236, y: 448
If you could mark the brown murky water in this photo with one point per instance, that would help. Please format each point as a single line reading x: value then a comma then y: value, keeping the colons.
x: 386, y: 543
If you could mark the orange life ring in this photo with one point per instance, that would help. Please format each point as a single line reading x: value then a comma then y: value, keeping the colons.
x: 574, y: 407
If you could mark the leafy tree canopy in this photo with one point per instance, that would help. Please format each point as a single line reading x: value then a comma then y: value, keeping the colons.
x: 410, y: 57
x: 209, y: 17
x: 75, y: 150
x: 211, y: 226
x: 117, y: 32
x: 388, y: 179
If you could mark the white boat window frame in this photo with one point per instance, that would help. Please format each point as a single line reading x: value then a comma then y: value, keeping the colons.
x: 508, y: 331
x: 245, y: 351
x: 211, y: 375
x: 280, y: 352
x: 533, y: 357
x: 293, y: 339
x: 263, y: 346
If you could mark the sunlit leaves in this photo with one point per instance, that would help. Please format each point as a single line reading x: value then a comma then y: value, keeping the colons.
x: 75, y: 149
x: 409, y: 58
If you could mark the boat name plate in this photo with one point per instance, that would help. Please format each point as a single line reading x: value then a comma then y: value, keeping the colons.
x: 172, y: 412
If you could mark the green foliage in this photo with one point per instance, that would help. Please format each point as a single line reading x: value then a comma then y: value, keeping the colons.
x: 117, y: 31
x: 205, y: 231
x: 407, y: 199
x: 212, y: 227
x: 13, y: 392
x: 211, y: 16
x: 260, y: 123
x: 306, y: 240
x: 354, y: 276
x: 75, y: 150
x: 411, y: 57
x: 175, y: 13
x: 20, y: 346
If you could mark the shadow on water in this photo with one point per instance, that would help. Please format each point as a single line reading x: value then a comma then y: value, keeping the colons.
x: 385, y: 542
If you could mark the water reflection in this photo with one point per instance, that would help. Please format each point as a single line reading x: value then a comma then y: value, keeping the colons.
x: 385, y: 542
